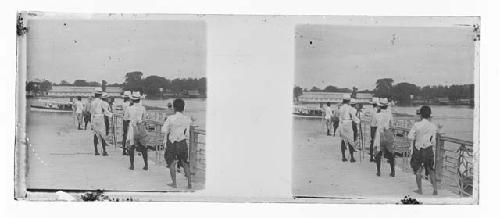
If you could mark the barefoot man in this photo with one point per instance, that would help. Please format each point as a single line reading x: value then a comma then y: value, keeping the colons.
x: 423, y: 135
x: 176, y: 129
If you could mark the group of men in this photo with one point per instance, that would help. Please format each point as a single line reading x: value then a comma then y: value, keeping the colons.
x: 344, y: 117
x: 422, y: 135
x: 81, y: 111
x: 176, y: 128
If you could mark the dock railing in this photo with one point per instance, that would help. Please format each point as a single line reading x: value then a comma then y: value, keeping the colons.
x: 154, y: 121
x: 453, y: 157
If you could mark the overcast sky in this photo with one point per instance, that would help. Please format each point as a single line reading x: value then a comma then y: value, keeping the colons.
x: 96, y: 50
x: 347, y: 56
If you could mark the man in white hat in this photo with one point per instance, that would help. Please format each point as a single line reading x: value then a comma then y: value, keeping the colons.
x: 384, y: 138
x: 373, y: 125
x: 125, y: 120
x: 136, y: 130
x: 97, y: 110
x: 105, y: 100
x: 355, y: 124
x: 347, y: 114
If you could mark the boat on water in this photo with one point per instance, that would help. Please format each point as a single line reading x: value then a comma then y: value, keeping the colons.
x: 308, y: 111
x: 51, y: 106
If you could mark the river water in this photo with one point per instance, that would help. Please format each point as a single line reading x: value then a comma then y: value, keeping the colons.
x: 194, y: 107
x: 455, y: 121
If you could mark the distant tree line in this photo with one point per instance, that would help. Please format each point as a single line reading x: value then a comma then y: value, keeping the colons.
x: 155, y: 86
x: 152, y: 86
x: 402, y: 93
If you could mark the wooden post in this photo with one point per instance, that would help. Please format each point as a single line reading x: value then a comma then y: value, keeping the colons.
x: 192, y: 149
x: 439, y: 159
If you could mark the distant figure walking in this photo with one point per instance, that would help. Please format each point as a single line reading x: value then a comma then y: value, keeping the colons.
x: 176, y: 129
x: 384, y: 137
x: 79, y: 107
x: 86, y: 111
x: 423, y: 135
x: 335, y: 119
x: 328, y: 118
x: 125, y: 120
x: 347, y: 115
x: 98, y: 110
x: 137, y: 131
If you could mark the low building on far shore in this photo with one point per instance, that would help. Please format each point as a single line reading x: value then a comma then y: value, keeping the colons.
x: 83, y: 91
x: 193, y: 93
x: 321, y: 97
x: 364, y: 98
x: 442, y: 100
x: 332, y: 97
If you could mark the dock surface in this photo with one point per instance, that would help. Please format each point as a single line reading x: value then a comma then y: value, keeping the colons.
x: 62, y: 158
x: 318, y: 171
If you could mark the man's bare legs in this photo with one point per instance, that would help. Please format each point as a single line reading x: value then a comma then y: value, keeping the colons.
x: 173, y: 174
x: 432, y: 175
x: 187, y: 172
x: 418, y: 178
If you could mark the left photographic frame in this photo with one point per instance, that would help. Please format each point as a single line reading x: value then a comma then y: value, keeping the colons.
x: 109, y: 103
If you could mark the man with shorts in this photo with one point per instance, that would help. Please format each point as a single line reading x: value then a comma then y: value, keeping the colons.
x: 176, y: 129
x: 423, y: 135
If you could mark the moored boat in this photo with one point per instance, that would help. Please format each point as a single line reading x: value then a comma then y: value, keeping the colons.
x: 51, y: 106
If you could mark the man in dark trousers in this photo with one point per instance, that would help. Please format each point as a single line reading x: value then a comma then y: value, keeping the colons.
x: 373, y: 125
x: 125, y: 120
x: 176, y: 129
x: 423, y: 134
x: 347, y: 114
x: 384, y: 138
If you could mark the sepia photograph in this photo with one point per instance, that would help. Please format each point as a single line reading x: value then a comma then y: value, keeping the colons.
x: 113, y: 102
x: 385, y: 111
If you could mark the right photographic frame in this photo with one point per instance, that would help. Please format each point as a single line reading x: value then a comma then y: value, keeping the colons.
x: 385, y: 109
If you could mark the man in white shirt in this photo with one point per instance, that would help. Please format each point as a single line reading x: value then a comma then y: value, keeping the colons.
x: 373, y: 125
x: 176, y: 129
x: 423, y: 135
x: 86, y: 111
x: 105, y: 101
x: 137, y: 140
x: 335, y: 119
x: 125, y: 120
x: 328, y: 118
x: 97, y: 111
x: 347, y: 115
x: 79, y: 111
x: 384, y: 137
